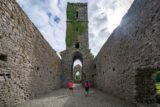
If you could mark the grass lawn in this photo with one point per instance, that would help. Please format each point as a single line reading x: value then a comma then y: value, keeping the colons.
x: 158, y: 88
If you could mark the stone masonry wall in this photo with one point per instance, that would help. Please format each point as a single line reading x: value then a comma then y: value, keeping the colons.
x: 126, y: 63
x: 82, y: 54
x: 29, y: 67
x: 79, y: 25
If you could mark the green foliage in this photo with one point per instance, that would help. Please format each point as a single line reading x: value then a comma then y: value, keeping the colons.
x: 158, y: 87
x: 157, y: 78
x: 78, y: 78
x: 74, y: 29
x: 71, y: 12
x: 71, y: 35
x: 82, y: 27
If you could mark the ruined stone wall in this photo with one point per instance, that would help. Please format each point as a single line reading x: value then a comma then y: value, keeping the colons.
x: 77, y: 34
x: 29, y: 67
x: 126, y: 63
x: 68, y: 57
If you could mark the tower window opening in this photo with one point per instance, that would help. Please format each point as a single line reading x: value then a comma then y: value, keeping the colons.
x: 3, y: 57
x: 76, y: 14
x: 95, y: 66
x: 76, y: 29
x: 77, y: 45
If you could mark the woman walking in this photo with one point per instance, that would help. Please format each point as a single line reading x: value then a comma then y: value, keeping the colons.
x: 70, y: 86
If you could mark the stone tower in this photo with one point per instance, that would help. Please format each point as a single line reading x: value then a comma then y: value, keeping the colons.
x: 77, y: 42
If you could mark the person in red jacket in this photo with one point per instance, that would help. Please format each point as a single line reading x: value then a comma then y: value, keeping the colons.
x: 70, y: 86
x: 87, y: 86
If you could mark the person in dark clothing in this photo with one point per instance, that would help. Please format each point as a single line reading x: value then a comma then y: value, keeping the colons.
x: 87, y: 86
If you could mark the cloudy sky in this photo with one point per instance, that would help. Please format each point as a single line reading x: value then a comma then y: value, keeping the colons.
x: 49, y: 16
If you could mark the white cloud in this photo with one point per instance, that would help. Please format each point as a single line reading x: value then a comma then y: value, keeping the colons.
x: 49, y: 16
x: 104, y: 16
x: 75, y: 1
x: 49, y: 19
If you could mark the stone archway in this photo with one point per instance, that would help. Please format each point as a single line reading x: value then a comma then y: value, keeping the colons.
x: 146, y: 85
x: 77, y: 76
x: 77, y: 73
x: 68, y: 58
x: 77, y: 55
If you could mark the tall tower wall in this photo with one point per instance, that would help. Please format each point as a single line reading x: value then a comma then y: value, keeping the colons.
x: 77, y: 25
x: 77, y: 42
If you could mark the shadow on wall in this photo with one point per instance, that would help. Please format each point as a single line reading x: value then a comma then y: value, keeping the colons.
x: 146, y: 85
x: 128, y: 60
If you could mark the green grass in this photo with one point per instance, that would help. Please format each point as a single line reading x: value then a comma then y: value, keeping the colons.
x: 158, y: 87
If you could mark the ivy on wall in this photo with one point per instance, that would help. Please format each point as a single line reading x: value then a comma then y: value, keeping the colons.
x: 71, y: 12
x: 74, y: 27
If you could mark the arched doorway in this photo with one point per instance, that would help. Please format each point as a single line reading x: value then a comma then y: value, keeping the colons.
x: 157, y: 85
x: 77, y: 71
x: 68, y: 59
x: 77, y: 67
x: 147, y: 85
x: 77, y: 76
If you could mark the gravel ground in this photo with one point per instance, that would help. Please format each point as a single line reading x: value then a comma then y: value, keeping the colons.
x: 62, y: 98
